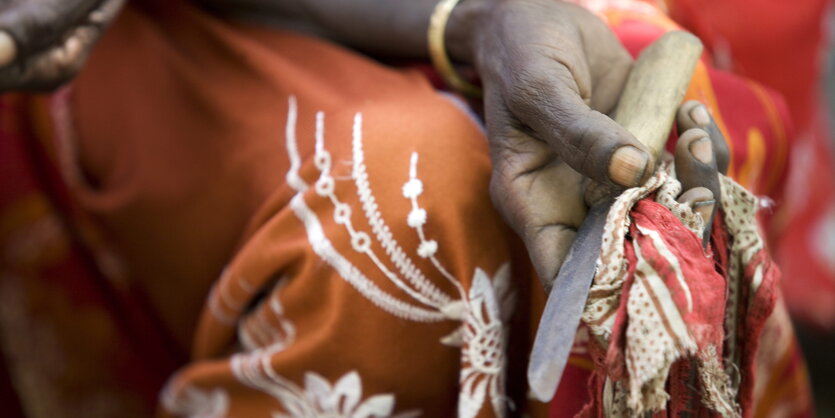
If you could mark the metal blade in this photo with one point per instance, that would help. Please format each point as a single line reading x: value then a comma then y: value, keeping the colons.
x: 564, y: 308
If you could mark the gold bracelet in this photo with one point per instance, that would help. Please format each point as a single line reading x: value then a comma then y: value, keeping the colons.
x: 437, y: 49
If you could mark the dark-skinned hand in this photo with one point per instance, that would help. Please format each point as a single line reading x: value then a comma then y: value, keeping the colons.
x: 551, y: 71
x: 44, y: 43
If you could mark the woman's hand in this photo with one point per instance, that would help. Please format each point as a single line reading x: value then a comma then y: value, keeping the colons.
x: 551, y: 71
x: 44, y: 43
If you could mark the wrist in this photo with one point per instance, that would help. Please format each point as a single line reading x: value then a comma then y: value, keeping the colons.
x: 461, y: 30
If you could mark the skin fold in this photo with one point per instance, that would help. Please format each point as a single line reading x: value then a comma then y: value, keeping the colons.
x: 550, y: 71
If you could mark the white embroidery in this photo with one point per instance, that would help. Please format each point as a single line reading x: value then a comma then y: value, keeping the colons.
x: 195, y: 403
x: 425, y: 288
x: 322, y: 246
x: 360, y: 241
x: 483, y: 333
x: 416, y: 218
x: 256, y: 331
x: 293, y: 178
x: 424, y: 291
x: 218, y: 311
x: 221, y: 306
x: 427, y: 248
x: 318, y: 398
x: 484, y: 352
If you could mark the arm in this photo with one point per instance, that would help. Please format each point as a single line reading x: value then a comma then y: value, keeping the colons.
x: 377, y: 27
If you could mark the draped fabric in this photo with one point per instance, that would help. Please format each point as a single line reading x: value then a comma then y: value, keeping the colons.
x: 228, y: 220
x: 783, y: 47
x: 738, y: 303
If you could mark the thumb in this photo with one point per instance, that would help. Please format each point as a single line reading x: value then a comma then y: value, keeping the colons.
x: 589, y: 141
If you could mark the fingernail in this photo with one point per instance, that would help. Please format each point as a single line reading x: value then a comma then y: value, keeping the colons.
x: 627, y: 166
x: 702, y: 150
x: 8, y: 49
x: 700, y: 116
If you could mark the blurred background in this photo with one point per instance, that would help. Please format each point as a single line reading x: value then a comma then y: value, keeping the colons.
x: 819, y: 344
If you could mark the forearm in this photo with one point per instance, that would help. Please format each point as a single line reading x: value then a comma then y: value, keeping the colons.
x: 378, y: 27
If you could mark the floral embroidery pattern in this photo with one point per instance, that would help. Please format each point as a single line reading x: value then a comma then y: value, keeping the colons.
x: 486, y: 338
x: 257, y: 330
x: 196, y: 403
x: 318, y: 398
x: 483, y: 332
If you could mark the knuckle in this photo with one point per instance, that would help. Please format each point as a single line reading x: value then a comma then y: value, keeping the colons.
x: 579, y: 133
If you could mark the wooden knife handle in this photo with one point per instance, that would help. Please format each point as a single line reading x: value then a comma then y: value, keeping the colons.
x: 656, y: 87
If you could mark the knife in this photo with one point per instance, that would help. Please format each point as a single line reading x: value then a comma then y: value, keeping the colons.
x: 647, y: 107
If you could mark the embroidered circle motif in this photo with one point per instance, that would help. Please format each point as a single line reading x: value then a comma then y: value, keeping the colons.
x: 322, y: 161
x: 361, y: 242
x: 342, y: 213
x: 324, y: 186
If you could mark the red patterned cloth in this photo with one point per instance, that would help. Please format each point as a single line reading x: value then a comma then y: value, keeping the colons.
x: 723, y: 331
x: 678, y: 326
x: 783, y: 46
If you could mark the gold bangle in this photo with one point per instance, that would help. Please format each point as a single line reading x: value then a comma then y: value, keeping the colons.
x: 437, y: 49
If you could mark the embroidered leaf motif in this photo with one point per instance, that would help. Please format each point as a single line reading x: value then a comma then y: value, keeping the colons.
x: 375, y: 406
x: 195, y: 402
